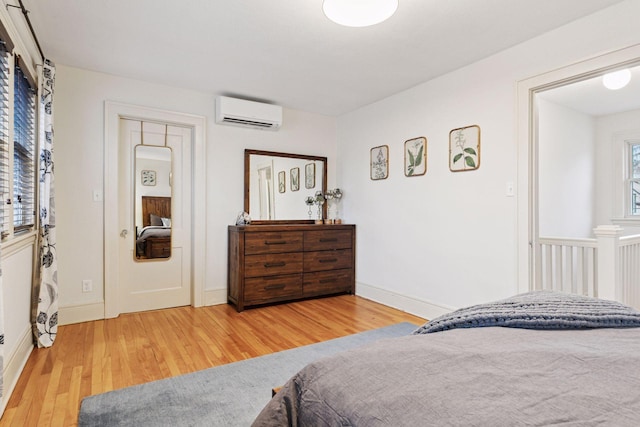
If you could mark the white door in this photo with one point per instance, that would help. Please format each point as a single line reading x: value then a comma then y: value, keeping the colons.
x: 156, y: 282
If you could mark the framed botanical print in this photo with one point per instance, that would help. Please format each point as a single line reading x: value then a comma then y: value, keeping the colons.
x: 295, y: 179
x: 379, y: 162
x: 464, y: 149
x: 148, y: 177
x: 415, y: 156
x: 282, y: 181
x: 310, y: 175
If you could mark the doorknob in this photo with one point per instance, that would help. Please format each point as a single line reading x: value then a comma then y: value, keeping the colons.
x: 123, y: 233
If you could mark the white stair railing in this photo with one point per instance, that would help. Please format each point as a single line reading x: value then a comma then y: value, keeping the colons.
x: 568, y: 265
x: 606, y: 267
x: 630, y: 269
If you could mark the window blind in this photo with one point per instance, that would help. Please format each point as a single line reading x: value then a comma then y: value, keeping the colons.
x: 23, y: 152
x: 4, y: 140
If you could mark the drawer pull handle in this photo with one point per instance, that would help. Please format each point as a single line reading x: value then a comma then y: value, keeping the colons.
x: 273, y: 287
x: 328, y: 260
x: 276, y: 242
x: 329, y: 240
x: 328, y: 280
x: 274, y: 264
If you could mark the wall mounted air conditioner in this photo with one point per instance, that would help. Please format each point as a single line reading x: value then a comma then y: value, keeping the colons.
x: 240, y: 112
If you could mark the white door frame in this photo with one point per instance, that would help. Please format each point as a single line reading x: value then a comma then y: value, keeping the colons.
x: 114, y: 111
x: 527, y: 216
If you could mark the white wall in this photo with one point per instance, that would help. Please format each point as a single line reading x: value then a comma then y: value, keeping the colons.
x: 449, y: 239
x: 292, y: 202
x: 610, y: 131
x: 17, y: 262
x: 79, y: 156
x: 566, y: 179
x: 423, y: 238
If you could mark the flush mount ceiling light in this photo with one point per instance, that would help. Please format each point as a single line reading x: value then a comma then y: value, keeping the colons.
x: 359, y: 13
x: 617, y: 79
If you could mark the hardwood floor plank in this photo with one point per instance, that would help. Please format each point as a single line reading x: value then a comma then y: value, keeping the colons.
x: 95, y: 357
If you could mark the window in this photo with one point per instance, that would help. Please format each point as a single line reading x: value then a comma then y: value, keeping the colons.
x: 633, y: 178
x: 4, y: 140
x: 23, y: 153
x: 17, y: 144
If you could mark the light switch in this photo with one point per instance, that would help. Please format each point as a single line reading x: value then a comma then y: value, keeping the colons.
x: 510, y: 189
x: 97, y: 195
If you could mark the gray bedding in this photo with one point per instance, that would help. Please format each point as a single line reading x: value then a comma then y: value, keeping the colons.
x: 539, y: 310
x: 487, y: 376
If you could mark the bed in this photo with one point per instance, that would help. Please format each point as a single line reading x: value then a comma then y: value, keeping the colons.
x: 153, y: 240
x: 539, y: 358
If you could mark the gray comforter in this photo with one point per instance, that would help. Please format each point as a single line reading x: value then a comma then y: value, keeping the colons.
x: 486, y: 376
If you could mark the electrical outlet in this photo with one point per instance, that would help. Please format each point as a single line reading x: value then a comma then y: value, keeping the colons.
x: 87, y: 285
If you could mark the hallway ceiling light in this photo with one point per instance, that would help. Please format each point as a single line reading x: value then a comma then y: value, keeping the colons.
x: 359, y: 13
x: 617, y: 79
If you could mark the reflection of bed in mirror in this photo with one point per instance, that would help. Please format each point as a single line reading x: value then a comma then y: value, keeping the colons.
x: 153, y: 240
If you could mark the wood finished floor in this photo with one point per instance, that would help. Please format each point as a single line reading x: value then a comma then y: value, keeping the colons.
x: 95, y: 357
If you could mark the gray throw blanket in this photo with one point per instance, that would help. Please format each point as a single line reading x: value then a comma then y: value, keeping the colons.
x: 539, y: 310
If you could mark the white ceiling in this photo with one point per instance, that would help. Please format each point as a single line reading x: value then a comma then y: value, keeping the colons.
x: 591, y: 97
x: 286, y: 51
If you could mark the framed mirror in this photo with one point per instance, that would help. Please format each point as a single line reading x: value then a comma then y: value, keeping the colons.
x: 152, y: 207
x: 276, y: 186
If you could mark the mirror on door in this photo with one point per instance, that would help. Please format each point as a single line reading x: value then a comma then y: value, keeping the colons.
x: 152, y: 208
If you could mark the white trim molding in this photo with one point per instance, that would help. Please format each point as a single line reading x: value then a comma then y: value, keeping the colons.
x: 215, y: 296
x: 113, y: 112
x: 424, y: 309
x: 527, y: 189
x: 14, y: 365
x: 71, y: 314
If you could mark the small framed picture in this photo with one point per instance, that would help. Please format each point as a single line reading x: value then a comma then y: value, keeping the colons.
x: 282, y: 181
x: 148, y: 177
x: 295, y: 179
x: 464, y: 149
x: 415, y: 156
x: 379, y: 162
x: 310, y: 175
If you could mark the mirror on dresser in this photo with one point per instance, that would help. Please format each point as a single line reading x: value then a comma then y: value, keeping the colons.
x: 277, y: 184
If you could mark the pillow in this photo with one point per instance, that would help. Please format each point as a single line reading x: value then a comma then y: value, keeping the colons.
x: 166, y: 222
x: 539, y: 310
x: 155, y: 220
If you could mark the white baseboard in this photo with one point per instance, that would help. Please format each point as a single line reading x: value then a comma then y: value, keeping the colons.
x: 80, y: 313
x: 215, y: 296
x: 424, y: 309
x: 87, y: 312
x: 13, y: 366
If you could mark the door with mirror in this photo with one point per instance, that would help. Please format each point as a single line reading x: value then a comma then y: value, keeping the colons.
x: 154, y: 188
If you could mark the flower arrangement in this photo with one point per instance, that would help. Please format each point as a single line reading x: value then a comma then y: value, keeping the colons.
x: 319, y: 199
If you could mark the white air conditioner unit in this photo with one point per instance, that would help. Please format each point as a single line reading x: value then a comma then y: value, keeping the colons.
x: 240, y: 112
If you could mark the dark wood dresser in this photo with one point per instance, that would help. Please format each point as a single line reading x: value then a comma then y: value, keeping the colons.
x: 275, y: 263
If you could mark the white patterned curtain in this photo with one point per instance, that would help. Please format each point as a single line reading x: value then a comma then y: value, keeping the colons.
x: 1, y: 336
x: 45, y: 310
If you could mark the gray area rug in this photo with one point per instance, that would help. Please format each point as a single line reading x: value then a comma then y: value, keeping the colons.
x: 227, y: 395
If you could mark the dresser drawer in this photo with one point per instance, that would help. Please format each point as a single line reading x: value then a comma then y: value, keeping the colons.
x: 262, y: 290
x: 158, y: 247
x: 272, y: 264
x: 328, y: 260
x: 327, y: 282
x: 272, y: 242
x: 327, y: 239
